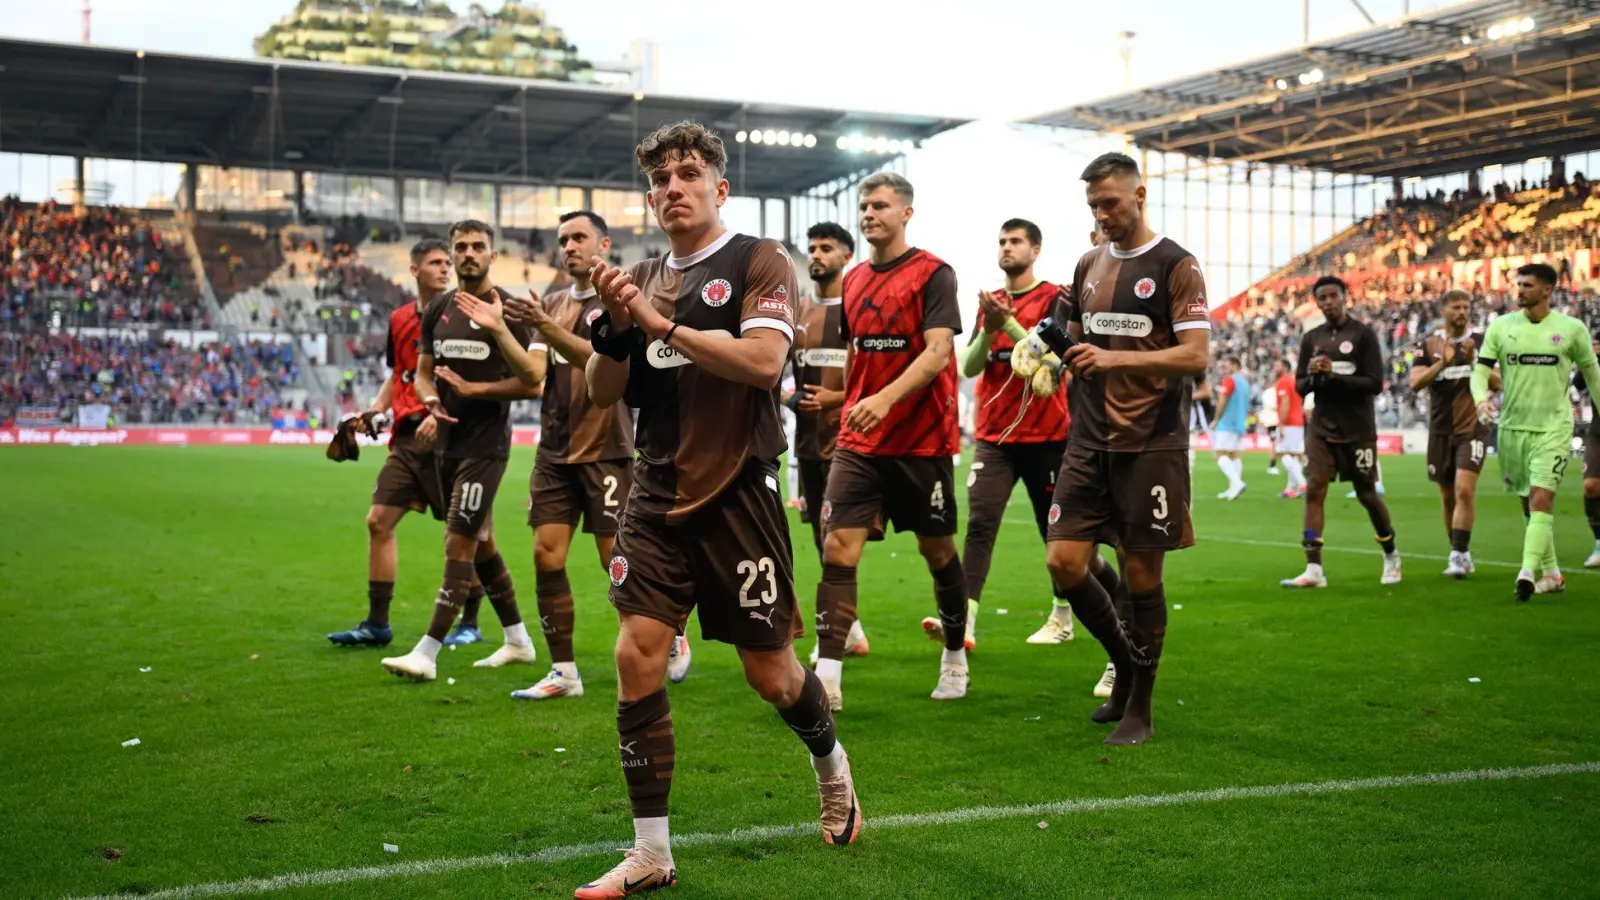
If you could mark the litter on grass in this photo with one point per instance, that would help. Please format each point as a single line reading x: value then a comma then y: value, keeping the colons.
x: 450, y: 681
x: 1001, y: 612
x: 1177, y: 606
x: 145, y: 668
x: 1474, y: 680
x: 131, y: 742
x: 1043, y: 825
x: 391, y: 848
x: 561, y: 749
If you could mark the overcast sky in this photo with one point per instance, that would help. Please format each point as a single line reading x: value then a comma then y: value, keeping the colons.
x: 964, y: 59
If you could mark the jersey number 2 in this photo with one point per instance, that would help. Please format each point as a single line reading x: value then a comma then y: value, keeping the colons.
x: 611, y: 490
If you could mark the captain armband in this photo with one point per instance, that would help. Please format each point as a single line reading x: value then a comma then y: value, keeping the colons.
x: 608, y: 342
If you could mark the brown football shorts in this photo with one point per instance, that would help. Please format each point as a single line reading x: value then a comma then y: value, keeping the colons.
x: 409, y: 479
x: 1355, y: 462
x: 1451, y: 453
x: 473, y: 483
x: 912, y: 493
x: 813, y: 486
x: 732, y: 561
x: 564, y: 493
x: 996, y: 469
x: 1138, y: 501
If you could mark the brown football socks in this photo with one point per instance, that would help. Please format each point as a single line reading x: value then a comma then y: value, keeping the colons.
x: 648, y: 747
x: 1147, y: 633
x: 469, y: 611
x: 950, y: 595
x: 496, y: 581
x: 453, y: 591
x: 836, y: 609
x: 1591, y: 508
x: 810, y: 718
x: 1461, y: 539
x: 379, y: 595
x: 556, y: 615
x: 1313, y: 547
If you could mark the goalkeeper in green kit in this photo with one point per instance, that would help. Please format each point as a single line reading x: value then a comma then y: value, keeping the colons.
x: 1536, y: 349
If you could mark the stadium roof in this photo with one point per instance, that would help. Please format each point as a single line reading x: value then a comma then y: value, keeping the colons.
x: 1489, y: 81
x: 75, y: 100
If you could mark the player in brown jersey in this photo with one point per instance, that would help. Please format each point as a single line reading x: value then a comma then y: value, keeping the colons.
x: 1139, y: 330
x: 1591, y: 464
x: 818, y: 361
x: 1341, y: 362
x: 582, y: 471
x: 697, y: 342
x: 1457, y: 441
x: 900, y: 431
x: 466, y: 384
x: 408, y: 480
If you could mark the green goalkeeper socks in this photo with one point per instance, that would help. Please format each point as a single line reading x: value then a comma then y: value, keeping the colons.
x: 1538, y: 542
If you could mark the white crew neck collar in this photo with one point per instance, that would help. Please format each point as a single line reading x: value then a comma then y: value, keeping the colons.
x: 583, y: 295
x: 826, y: 301
x: 1137, y: 251
x: 701, y: 255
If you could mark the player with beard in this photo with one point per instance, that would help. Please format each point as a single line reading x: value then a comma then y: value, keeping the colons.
x: 408, y: 480
x: 1341, y: 362
x: 901, y: 431
x: 697, y: 342
x: 1457, y: 441
x: 1536, y: 349
x: 818, y: 364
x: 469, y: 394
x: 1139, y: 329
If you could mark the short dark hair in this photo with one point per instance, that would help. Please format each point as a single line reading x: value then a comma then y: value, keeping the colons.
x: 831, y: 231
x: 1326, y: 280
x: 1236, y: 361
x: 1452, y: 296
x: 1035, y: 236
x: 1542, y: 271
x: 599, y: 223
x: 468, y: 226
x: 681, y: 139
x: 1108, y: 164
x: 421, y: 249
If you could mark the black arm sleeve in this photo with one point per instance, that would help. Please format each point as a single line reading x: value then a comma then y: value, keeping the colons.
x: 1304, y: 384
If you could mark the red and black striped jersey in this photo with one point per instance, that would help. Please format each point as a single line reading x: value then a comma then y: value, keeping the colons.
x: 887, y: 307
x: 405, y: 335
x: 1008, y: 412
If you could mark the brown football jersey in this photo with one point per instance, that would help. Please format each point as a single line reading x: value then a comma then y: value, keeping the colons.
x: 1344, y: 411
x: 1450, y: 406
x: 571, y: 428
x: 455, y: 341
x: 819, y: 357
x: 697, y: 431
x: 1139, y: 299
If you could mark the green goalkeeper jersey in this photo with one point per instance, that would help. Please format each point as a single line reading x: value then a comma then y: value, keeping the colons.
x: 1536, y: 361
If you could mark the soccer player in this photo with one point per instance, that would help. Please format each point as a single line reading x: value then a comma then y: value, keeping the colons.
x: 1142, y: 328
x: 1227, y: 429
x: 1342, y: 363
x: 408, y: 480
x: 818, y: 396
x: 1267, y: 418
x: 1457, y: 441
x: 1591, y: 469
x: 1020, y: 433
x: 697, y: 342
x: 469, y: 394
x: 894, y: 461
x: 582, y: 471
x: 1291, y: 440
x: 1536, y: 349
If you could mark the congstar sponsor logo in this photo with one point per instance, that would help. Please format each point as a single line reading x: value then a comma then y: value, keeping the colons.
x: 1343, y: 367
x: 824, y: 358
x: 1119, y: 324
x: 661, y: 356
x: 456, y: 348
x: 1532, y: 359
x: 882, y: 343
x: 1455, y: 373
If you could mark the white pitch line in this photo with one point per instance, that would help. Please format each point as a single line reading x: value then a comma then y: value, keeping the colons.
x: 328, y: 877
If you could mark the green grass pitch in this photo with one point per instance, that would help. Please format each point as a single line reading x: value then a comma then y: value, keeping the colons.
x: 265, y: 751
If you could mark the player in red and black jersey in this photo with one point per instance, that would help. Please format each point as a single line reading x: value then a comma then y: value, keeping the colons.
x: 901, y: 431
x: 466, y: 380
x: 408, y: 480
x: 1020, y: 433
x: 697, y: 342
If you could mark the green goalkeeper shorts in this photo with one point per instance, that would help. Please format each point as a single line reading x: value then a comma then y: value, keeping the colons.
x: 1530, y: 459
